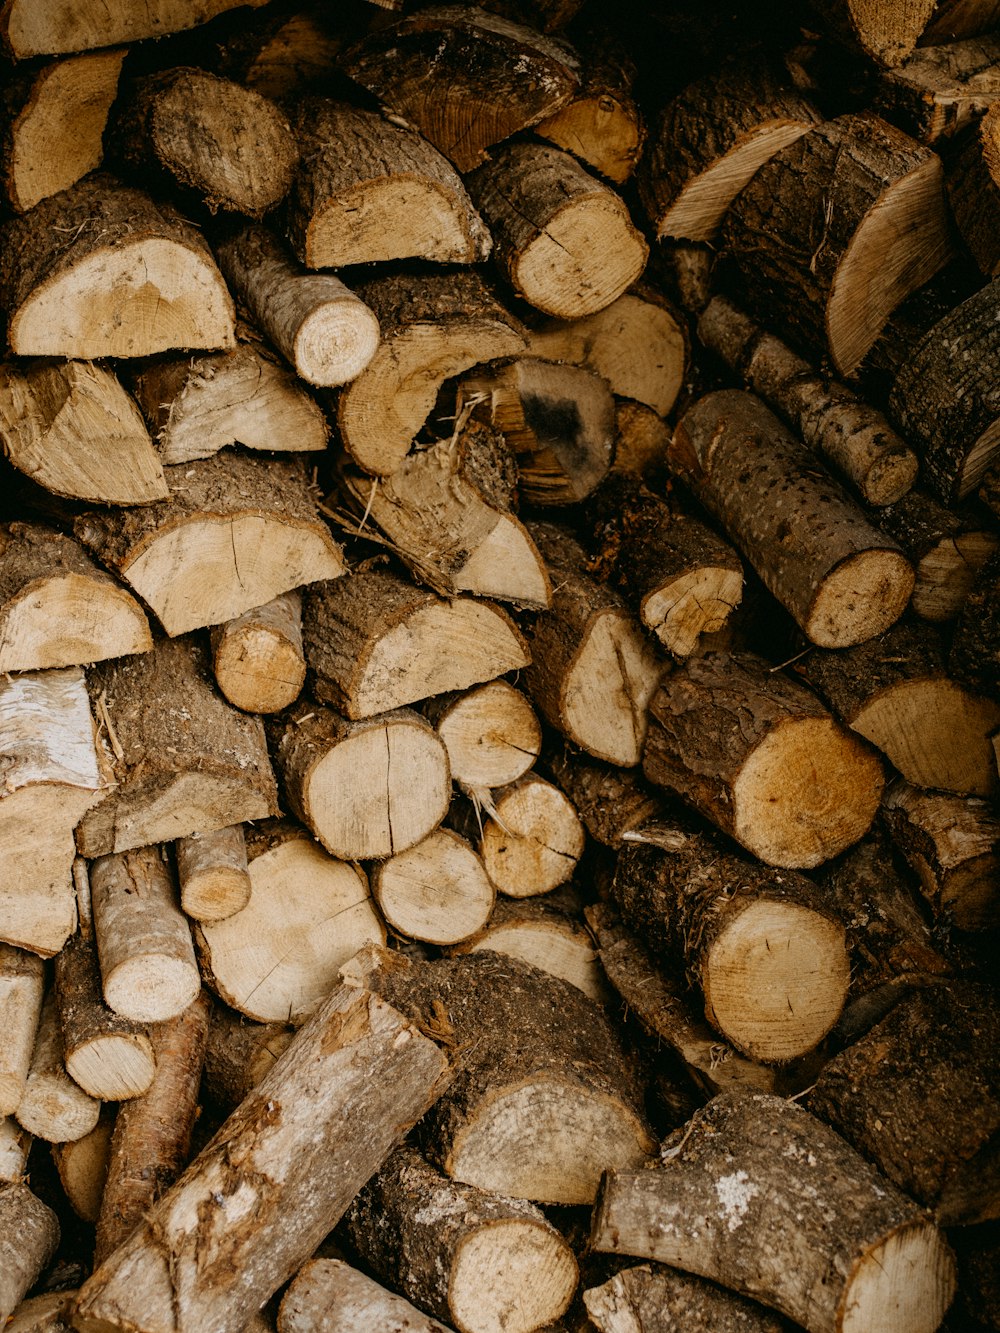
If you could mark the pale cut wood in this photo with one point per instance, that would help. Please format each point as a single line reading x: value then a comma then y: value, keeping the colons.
x: 257, y: 657
x: 57, y: 609
x: 374, y: 642
x: 308, y: 914
x: 54, y: 1107
x: 532, y: 840
x: 29, y: 1234
x: 349, y: 1086
x: 641, y: 438
x: 53, y: 775
x: 886, y: 32
x: 83, y: 1166
x: 652, y: 1298
x: 328, y: 1296
x: 22, y: 984
x: 53, y: 123
x: 939, y: 90
x: 843, y: 580
x: 148, y: 967
x: 786, y: 1213
x: 71, y: 427
x: 182, y: 759
x: 14, y: 1145
x: 433, y: 326
x: 198, y: 405
x: 326, y: 332
x: 369, y: 190
x: 42, y: 1314
x: 212, y: 873
x: 52, y: 27
x: 236, y: 531
x: 239, y: 1054
x: 368, y: 788
x: 491, y: 733
x: 437, y: 891
x: 102, y: 270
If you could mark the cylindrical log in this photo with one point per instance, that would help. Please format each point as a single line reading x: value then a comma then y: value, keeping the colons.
x: 239, y: 1054
x: 610, y: 801
x: 328, y: 1296
x: 29, y: 1234
x: 437, y: 891
x: 652, y: 1298
x: 491, y: 733
x: 22, y: 986
x: 83, y: 1166
x: 257, y: 658
x: 212, y: 873
x: 53, y: 1106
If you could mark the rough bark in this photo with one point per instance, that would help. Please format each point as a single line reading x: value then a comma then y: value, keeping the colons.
x: 212, y: 873
x: 328, y: 1296
x: 53, y: 27
x: 610, y: 801
x: 652, y: 1298
x: 975, y: 645
x: 437, y: 891
x: 29, y: 1234
x: 54, y: 1107
x: 239, y: 1054
x: 947, y: 548
x: 22, y: 982
x: 885, y: 33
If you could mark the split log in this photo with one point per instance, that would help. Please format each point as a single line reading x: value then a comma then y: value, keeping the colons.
x: 71, y: 427
x: 447, y: 511
x: 278, y: 958
x: 974, y: 190
x: 758, y: 755
x: 975, y: 645
x: 788, y: 1214
x: 637, y: 343
x: 652, y: 1298
x: 328, y: 1296
x: 479, y: 1260
x: 894, y: 690
x: 366, y: 789
x: 212, y: 873
x: 592, y: 671
x: 57, y: 608
x: 437, y: 891
x: 542, y: 1099
x: 54, y: 27
x: 941, y: 89
x: 885, y: 33
x: 641, y: 438
x: 491, y: 733
x: 563, y: 240
x: 532, y: 840
x: 369, y: 190
x: 29, y: 1234
x: 22, y: 982
x: 102, y: 270
x: 82, y: 1166
x: 198, y: 405
x: 42, y: 1314
x: 226, y: 144
x: 183, y: 760
x: 956, y: 19
x: 236, y: 531
x: 257, y: 657
x: 54, y: 1107
x: 434, y: 326
x: 53, y: 776
x: 148, y: 968
x: 14, y: 1145
x: 842, y: 579
x: 465, y: 78
x: 52, y: 121
x: 276, y: 1177
x: 374, y: 642
x: 611, y: 802
x: 711, y: 138
x: 680, y: 578
x: 151, y: 1142
x: 318, y: 325
x: 239, y: 1054
x: 281, y: 53
x: 953, y: 844
x: 853, y: 198
x: 853, y: 436
x: 764, y: 949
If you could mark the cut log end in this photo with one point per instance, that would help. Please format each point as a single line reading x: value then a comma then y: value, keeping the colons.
x: 151, y: 987
x: 492, y: 735
x: 437, y: 891
x: 511, y: 1277
x: 903, y: 1285
x: 608, y: 689
x: 68, y: 620
x: 692, y: 605
x: 860, y: 598
x: 335, y: 342
x: 888, y: 33
x: 115, y: 1068
x: 394, y: 218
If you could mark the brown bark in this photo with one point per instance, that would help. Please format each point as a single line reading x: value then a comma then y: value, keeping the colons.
x: 886, y: 33
x: 212, y: 873
x: 974, y: 191
x: 610, y: 801
x: 941, y: 89
x: 652, y: 1298
x: 54, y: 1107
x: 975, y: 646
x: 29, y: 1234
x: 239, y: 1054
x: 52, y: 27
x: 491, y: 733
x: 955, y: 19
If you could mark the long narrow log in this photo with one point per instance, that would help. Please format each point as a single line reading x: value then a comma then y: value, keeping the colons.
x: 29, y: 1234
x: 22, y: 983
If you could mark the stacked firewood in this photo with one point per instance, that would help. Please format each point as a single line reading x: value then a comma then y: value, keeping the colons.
x: 497, y: 503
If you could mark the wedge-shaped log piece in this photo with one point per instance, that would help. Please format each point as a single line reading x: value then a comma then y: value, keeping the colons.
x: 184, y: 760
x: 57, y: 608
x: 542, y: 1100
x: 592, y: 670
x: 317, y: 324
x: 71, y: 427
x: 886, y: 33
x: 236, y: 532
x: 919, y: 1096
x: 29, y: 1234
x: 368, y: 788
x: 759, y: 755
x: 895, y: 691
x: 447, y: 510
x: 652, y: 1297
x: 375, y: 642
x: 836, y: 230
x: 369, y: 190
x: 564, y: 240
x: 434, y: 326
x: 491, y: 733
x: 947, y: 548
x: 259, y: 1198
x: 533, y: 838
x: 437, y: 891
x: 711, y: 138
x: 841, y: 578
x: 54, y: 1107
x: 764, y: 949
x: 22, y: 981
x: 212, y: 873
x: 229, y: 145
x: 308, y: 914
x: 281, y: 53
x: 197, y: 405
x: 329, y: 1296
x: 54, y: 27
x: 476, y: 1259
x: 53, y: 774
x: 465, y: 78
x: 942, y: 89
x: 52, y: 121
x: 974, y: 190
x: 102, y: 270
x: 788, y: 1214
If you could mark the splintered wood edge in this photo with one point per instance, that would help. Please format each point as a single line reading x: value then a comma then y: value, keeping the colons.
x: 860, y: 598
x: 70, y: 620
x: 947, y: 572
x: 513, y: 1276
x: 606, y: 692
x: 904, y: 1284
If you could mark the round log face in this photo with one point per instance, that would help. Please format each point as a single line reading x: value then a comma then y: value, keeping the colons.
x: 859, y: 599
x: 438, y: 891
x: 498, y: 1266
x: 492, y: 735
x: 903, y: 1283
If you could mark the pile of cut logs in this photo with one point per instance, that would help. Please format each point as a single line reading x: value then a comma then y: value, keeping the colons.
x: 499, y: 647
